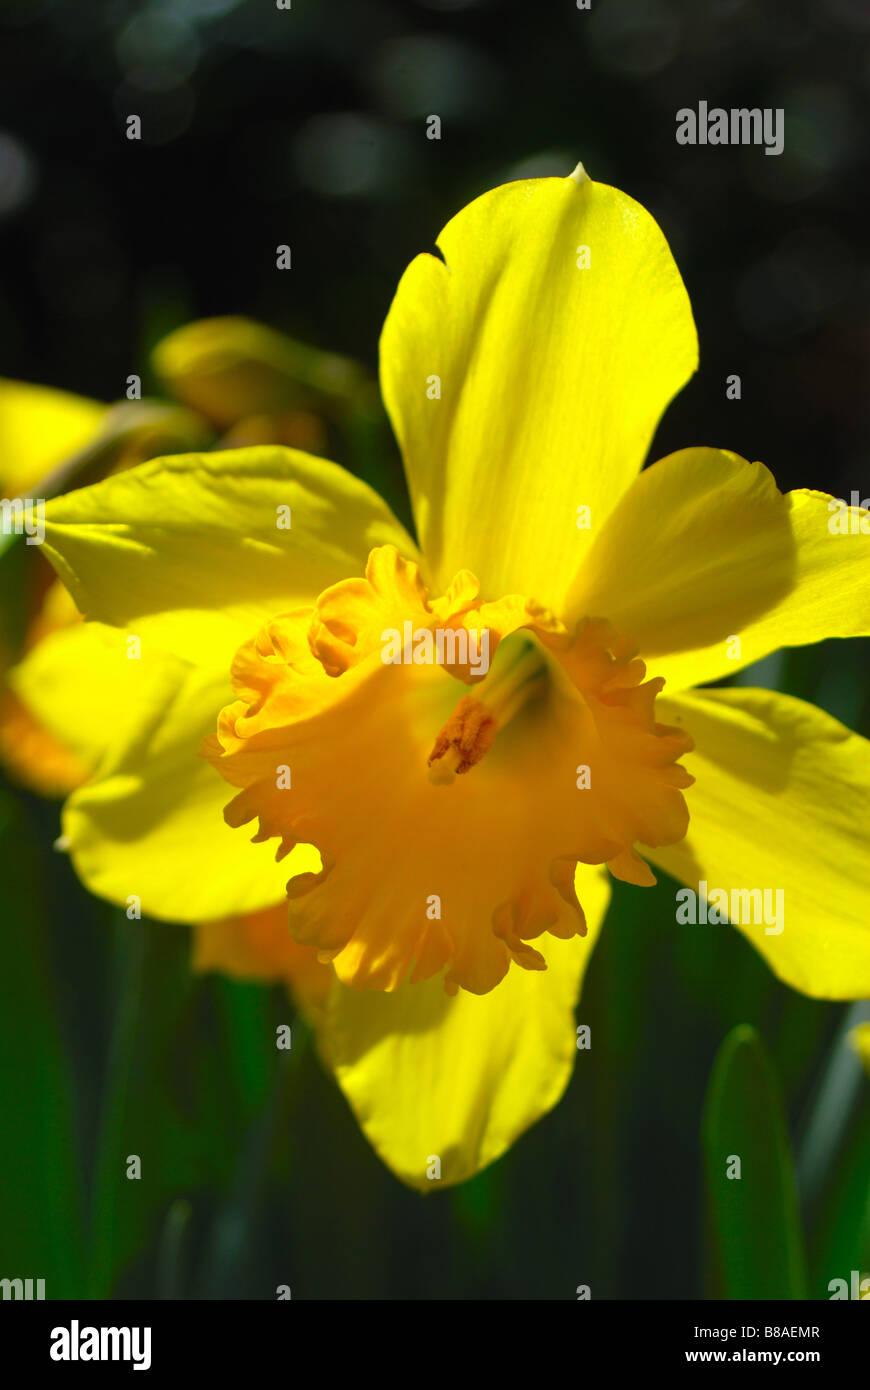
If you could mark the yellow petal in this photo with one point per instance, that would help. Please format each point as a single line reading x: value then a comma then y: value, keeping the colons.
x: 39, y: 427
x: 708, y: 567
x: 32, y: 756
x: 552, y: 378
x: 781, y: 801
x: 192, y: 552
x: 460, y: 1077
x: 78, y: 683
x: 150, y: 822
x: 298, y: 429
x: 33, y: 751
x: 232, y: 367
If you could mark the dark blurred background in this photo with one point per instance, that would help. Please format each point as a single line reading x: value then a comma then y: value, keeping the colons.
x: 308, y: 127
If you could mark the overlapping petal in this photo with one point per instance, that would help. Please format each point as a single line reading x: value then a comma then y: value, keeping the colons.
x: 232, y: 368
x: 193, y: 552
x: 703, y: 548
x: 32, y: 756
x: 79, y: 685
x: 32, y: 750
x: 781, y: 801
x: 150, y: 822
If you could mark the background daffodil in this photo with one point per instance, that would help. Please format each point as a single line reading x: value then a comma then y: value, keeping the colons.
x: 232, y: 381
x: 240, y: 382
x: 49, y: 440
x: 524, y: 383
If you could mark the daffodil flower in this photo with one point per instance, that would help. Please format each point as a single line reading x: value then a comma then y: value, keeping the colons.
x: 248, y: 381
x: 39, y: 428
x: 443, y: 832
x: 47, y: 437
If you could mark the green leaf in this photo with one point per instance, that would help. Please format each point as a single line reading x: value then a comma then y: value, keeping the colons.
x: 41, y: 1233
x: 189, y: 1072
x: 757, y: 1248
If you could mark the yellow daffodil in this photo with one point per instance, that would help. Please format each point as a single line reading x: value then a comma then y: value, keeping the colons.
x: 39, y: 429
x: 257, y: 386
x: 231, y: 374
x: 442, y: 828
x: 49, y: 438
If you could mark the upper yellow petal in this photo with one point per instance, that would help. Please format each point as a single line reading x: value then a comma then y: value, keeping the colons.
x: 191, y: 553
x: 522, y: 385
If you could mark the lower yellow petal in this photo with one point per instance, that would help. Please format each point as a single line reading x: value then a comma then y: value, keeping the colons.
x: 78, y: 683
x: 459, y: 1078
x: 150, y: 823
x: 781, y: 801
x: 32, y: 756
x: 43, y: 720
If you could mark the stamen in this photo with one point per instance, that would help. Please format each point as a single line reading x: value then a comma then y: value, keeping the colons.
x: 468, y: 734
x: 471, y: 729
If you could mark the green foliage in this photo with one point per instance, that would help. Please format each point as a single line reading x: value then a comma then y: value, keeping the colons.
x: 41, y: 1212
x: 755, y: 1235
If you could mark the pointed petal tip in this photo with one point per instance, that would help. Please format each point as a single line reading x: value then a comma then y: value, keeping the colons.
x: 579, y: 174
